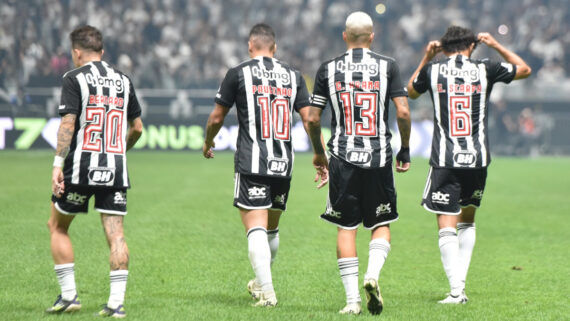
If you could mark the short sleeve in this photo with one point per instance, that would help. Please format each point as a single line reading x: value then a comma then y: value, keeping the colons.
x: 302, y: 98
x: 70, y: 97
x: 500, y: 71
x: 228, y: 89
x: 320, y: 90
x: 396, y: 88
x: 134, y: 108
x: 421, y: 83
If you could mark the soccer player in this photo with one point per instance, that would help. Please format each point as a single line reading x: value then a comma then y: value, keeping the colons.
x: 460, y: 89
x: 100, y: 121
x: 359, y: 85
x: 265, y: 91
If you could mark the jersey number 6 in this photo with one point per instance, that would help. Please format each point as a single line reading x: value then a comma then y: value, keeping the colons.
x: 460, y: 115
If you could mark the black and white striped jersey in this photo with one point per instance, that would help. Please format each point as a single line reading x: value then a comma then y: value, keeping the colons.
x: 359, y: 85
x: 104, y: 100
x: 460, y: 89
x: 265, y: 92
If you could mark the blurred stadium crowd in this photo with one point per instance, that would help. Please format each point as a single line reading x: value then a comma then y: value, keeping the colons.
x: 191, y: 43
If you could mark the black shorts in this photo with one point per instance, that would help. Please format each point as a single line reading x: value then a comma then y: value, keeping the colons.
x: 358, y: 195
x: 448, y: 190
x: 253, y: 192
x: 75, y: 200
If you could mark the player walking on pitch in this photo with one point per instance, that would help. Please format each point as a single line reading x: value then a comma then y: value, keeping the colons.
x: 265, y: 91
x: 460, y: 89
x: 97, y: 104
x: 359, y: 84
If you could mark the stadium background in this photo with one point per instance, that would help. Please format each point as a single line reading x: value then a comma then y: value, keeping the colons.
x: 177, y: 52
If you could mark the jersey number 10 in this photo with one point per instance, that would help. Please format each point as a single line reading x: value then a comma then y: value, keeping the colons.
x: 98, y: 121
x: 275, y: 118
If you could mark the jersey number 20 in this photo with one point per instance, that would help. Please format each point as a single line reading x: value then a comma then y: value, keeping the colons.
x: 99, y: 120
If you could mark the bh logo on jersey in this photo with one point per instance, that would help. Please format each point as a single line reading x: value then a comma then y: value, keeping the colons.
x: 464, y: 158
x: 101, y: 175
x: 76, y: 198
x: 120, y: 198
x: 477, y: 194
x: 278, y: 166
x: 383, y: 209
x: 359, y: 156
x: 439, y: 197
x: 256, y: 192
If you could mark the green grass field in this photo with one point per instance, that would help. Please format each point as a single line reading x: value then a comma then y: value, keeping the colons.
x: 189, y: 252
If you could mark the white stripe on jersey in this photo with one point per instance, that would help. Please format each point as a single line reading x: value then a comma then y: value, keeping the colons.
x: 350, y: 138
x: 434, y: 77
x: 269, y: 141
x: 80, y: 137
x: 469, y: 139
x: 482, y: 111
x: 334, y: 104
x: 382, y: 129
x: 127, y: 91
x: 247, y: 76
x: 94, y: 157
x: 291, y: 108
x: 111, y: 156
x: 366, y: 77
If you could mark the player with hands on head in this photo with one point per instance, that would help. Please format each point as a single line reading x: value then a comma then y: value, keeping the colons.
x: 460, y: 87
x: 265, y: 91
x: 359, y: 85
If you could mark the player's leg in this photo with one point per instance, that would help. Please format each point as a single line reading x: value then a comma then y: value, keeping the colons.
x: 255, y: 223
x: 347, y: 260
x: 62, y: 253
x: 441, y: 196
x: 466, y: 236
x: 273, y: 232
x: 112, y: 204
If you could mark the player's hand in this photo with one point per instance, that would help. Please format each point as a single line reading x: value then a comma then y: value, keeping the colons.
x: 207, y: 149
x: 487, y: 39
x: 321, y: 164
x: 57, y: 185
x: 432, y: 49
x: 403, y: 160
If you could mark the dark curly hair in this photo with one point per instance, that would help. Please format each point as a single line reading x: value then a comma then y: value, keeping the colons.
x: 457, y: 39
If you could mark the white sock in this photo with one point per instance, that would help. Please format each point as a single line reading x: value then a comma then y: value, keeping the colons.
x: 449, y: 249
x: 66, y: 278
x: 377, y: 253
x: 273, y: 239
x: 348, y: 268
x: 466, y: 237
x: 260, y: 257
x: 118, y: 280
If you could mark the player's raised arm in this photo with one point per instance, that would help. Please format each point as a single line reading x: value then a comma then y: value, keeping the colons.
x: 215, y: 122
x: 405, y: 127
x: 311, y: 117
x: 523, y: 70
x: 432, y: 49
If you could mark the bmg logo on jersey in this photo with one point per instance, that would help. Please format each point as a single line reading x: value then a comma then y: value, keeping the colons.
x: 76, y: 198
x: 359, y: 156
x: 384, y: 209
x: 256, y: 192
x: 439, y: 197
x: 464, y: 158
x: 105, y: 82
x: 101, y: 175
x: 260, y: 73
x: 471, y: 73
x: 371, y: 69
x: 277, y: 165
